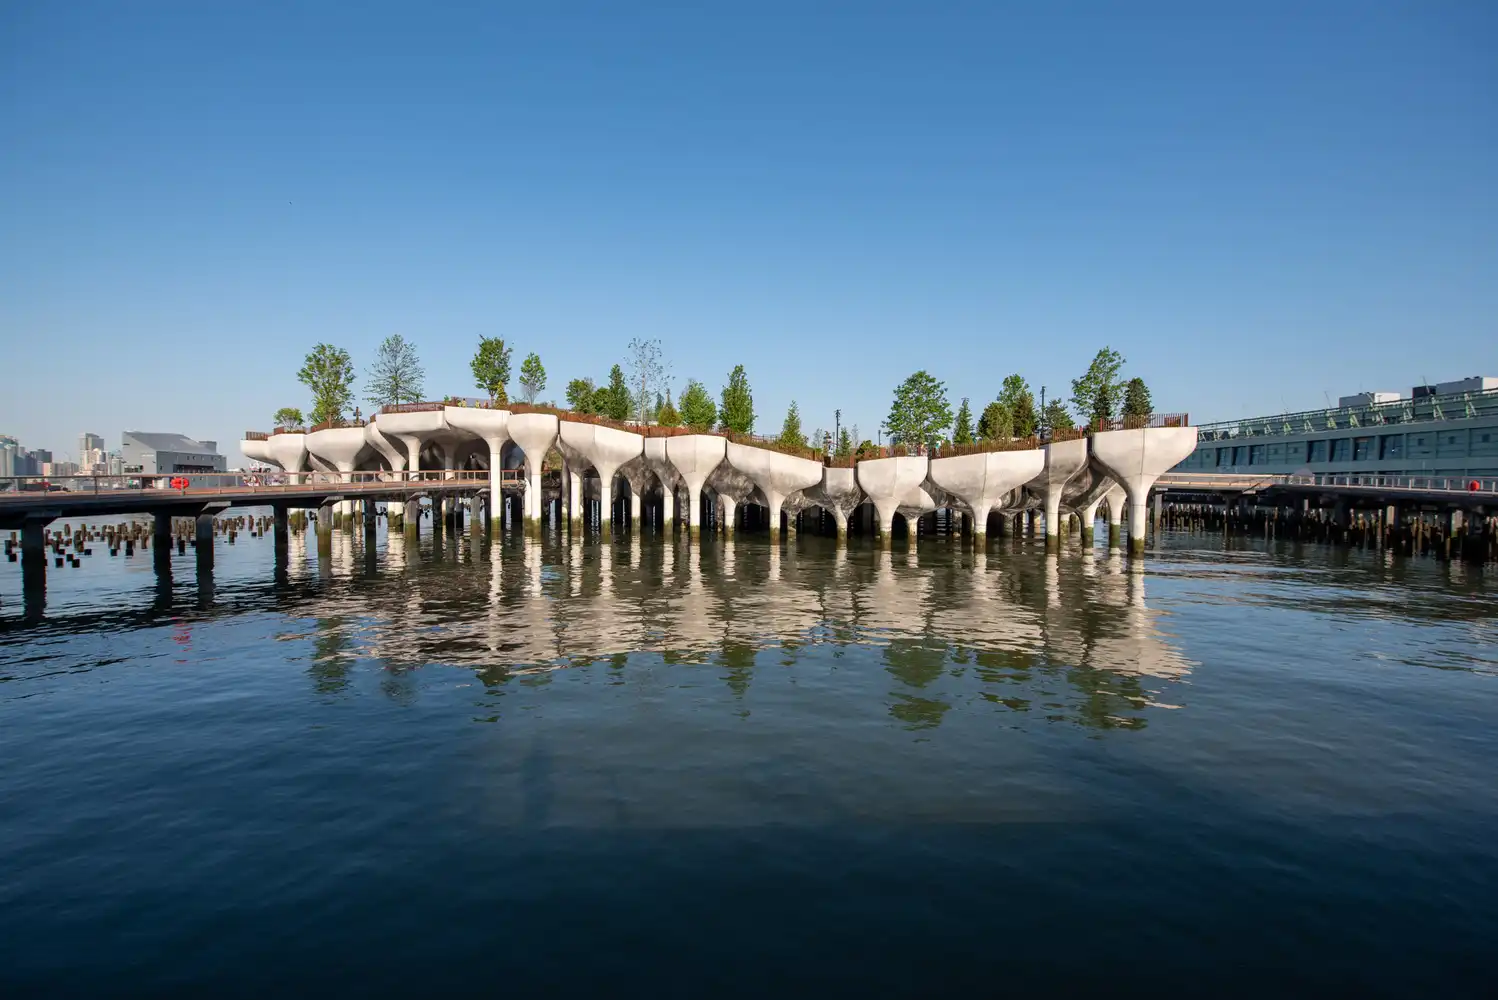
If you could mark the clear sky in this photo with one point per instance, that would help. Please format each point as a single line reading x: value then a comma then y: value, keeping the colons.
x: 1256, y: 203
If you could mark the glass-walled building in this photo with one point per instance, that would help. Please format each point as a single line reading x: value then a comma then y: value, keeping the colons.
x: 1449, y: 429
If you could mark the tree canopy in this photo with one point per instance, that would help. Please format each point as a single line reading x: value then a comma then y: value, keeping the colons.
x: 580, y: 393
x: 996, y: 422
x: 697, y: 407
x: 844, y: 443
x: 737, y: 412
x: 618, y: 402
x: 1096, y: 394
x: 920, y: 412
x: 491, y: 368
x: 791, y: 435
x: 532, y: 377
x: 1057, y: 418
x: 1137, y: 402
x: 328, y: 373
x: 647, y: 373
x: 667, y: 416
x: 288, y: 417
x: 1017, y: 398
x: 962, y: 433
x: 396, y: 375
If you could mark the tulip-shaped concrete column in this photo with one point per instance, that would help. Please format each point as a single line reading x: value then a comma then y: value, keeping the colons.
x: 1088, y: 503
x: 289, y: 451
x: 888, y: 482
x: 1135, y: 459
x: 984, y: 480
x: 574, y: 498
x: 1063, y: 460
x: 493, y: 428
x: 413, y: 430
x: 1115, y: 498
x: 606, y: 449
x: 656, y: 461
x: 391, y: 450
x: 730, y: 509
x: 534, y: 434
x: 777, y: 476
x: 694, y: 457
x: 838, y: 493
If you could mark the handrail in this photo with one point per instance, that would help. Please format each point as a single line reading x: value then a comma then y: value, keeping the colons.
x: 257, y: 435
x: 1368, y: 417
x: 1413, y: 484
x: 17, y: 489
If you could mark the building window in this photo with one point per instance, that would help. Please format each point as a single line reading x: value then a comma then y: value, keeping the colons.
x: 1393, y: 446
x: 1484, y: 439
x: 1256, y: 455
x: 1318, y: 451
x: 1224, y: 457
x: 1341, y: 449
x: 1240, y: 455
x: 1362, y: 449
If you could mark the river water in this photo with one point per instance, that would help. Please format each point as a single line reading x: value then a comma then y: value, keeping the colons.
x: 731, y: 770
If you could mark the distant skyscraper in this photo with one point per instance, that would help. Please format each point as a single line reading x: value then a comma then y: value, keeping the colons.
x: 90, y: 450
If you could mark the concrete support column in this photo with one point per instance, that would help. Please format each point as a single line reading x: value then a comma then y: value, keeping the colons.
x: 34, y: 568
x: 886, y: 524
x: 668, y: 511
x: 730, y: 508
x: 1138, y: 520
x: 369, y: 521
x: 161, y: 533
x: 1089, y: 520
x: 203, y: 537
x: 1053, y: 518
x: 775, y: 506
x: 694, y: 514
x: 394, y: 518
x: 411, y: 519
x: 1115, y: 499
x: 840, y: 520
x: 1155, y: 514
x: 324, y: 532
x: 496, y: 487
x: 282, y: 526
x: 634, y: 511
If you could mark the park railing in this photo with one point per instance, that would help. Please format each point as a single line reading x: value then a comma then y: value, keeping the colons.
x: 15, y: 489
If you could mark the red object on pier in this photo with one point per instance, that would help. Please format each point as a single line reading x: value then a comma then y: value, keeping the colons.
x: 1474, y: 486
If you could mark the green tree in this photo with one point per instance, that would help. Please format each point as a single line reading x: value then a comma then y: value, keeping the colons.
x: 667, y: 416
x: 532, y: 377
x: 647, y: 373
x: 619, y: 401
x: 655, y: 411
x: 1016, y: 396
x: 996, y: 423
x: 1096, y: 394
x: 491, y: 368
x: 920, y: 412
x: 697, y: 407
x: 844, y: 443
x: 396, y: 375
x: 791, y: 434
x: 963, y: 432
x: 1057, y: 418
x: 1137, y: 402
x: 288, y: 417
x: 580, y: 395
x: 737, y: 412
x: 329, y: 374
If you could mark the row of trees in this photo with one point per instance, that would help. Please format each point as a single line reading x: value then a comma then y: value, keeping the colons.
x: 921, y: 414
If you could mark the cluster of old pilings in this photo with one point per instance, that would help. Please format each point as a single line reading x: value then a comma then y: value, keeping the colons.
x: 1450, y: 534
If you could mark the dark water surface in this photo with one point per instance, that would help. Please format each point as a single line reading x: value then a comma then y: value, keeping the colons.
x: 733, y: 770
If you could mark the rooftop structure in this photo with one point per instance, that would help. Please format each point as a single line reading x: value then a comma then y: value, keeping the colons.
x: 153, y: 453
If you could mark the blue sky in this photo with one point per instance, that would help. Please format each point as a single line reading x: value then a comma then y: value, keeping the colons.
x: 1257, y: 204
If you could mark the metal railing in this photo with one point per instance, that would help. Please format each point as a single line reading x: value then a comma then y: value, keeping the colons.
x: 20, y: 489
x: 1450, y: 406
x: 1434, y: 484
x: 1410, y: 484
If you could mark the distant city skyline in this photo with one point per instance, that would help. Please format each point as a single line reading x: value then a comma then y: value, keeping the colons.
x: 1260, y: 208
